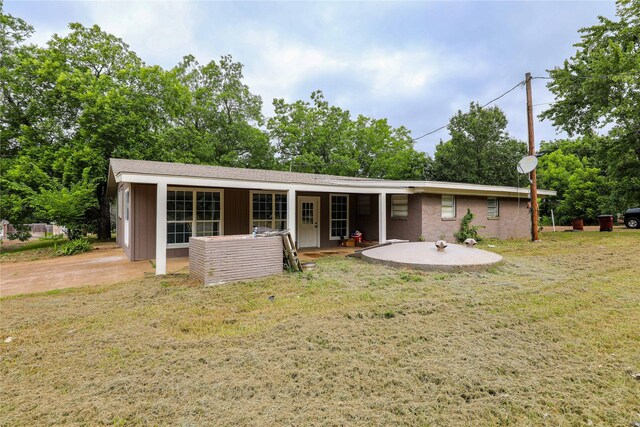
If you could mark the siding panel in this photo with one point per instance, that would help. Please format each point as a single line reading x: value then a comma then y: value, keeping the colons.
x: 143, y: 221
x: 216, y: 260
x: 236, y: 211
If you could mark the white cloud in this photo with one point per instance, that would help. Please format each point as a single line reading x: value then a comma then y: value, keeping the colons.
x: 159, y: 32
x: 281, y: 67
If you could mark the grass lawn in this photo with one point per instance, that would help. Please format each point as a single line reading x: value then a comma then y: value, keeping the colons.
x: 30, y: 250
x: 551, y: 337
x: 36, y: 249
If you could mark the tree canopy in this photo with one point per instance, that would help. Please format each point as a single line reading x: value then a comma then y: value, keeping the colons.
x: 85, y: 97
x: 480, y: 150
x: 598, y: 89
x: 573, y: 169
x: 317, y: 137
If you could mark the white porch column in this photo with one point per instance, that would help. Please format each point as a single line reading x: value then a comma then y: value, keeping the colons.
x: 382, y: 217
x: 161, y: 229
x: 291, y: 214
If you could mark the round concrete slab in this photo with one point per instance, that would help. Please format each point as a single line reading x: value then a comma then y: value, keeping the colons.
x: 424, y: 255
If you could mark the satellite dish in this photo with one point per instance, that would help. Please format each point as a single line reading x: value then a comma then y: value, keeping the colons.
x: 527, y: 164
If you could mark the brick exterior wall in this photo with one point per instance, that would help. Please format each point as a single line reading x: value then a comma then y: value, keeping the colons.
x: 409, y: 228
x: 512, y: 223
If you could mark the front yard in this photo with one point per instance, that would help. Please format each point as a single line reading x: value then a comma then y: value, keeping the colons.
x: 551, y: 337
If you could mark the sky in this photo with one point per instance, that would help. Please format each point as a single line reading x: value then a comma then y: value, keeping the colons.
x: 413, y: 63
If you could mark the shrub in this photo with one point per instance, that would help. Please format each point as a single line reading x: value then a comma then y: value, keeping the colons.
x: 73, y: 247
x: 468, y: 231
x: 22, y: 233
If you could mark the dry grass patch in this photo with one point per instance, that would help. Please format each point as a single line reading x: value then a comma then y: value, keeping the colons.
x: 549, y: 338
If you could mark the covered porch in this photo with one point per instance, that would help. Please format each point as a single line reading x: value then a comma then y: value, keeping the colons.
x: 156, y: 221
x: 315, y: 219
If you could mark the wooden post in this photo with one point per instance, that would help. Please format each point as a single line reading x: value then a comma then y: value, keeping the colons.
x: 532, y: 152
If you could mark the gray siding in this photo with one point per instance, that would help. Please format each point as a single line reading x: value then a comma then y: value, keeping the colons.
x: 143, y: 222
x: 236, y: 211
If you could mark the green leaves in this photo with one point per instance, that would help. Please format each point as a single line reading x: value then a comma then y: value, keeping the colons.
x: 67, y: 206
x: 570, y: 168
x: 480, y: 151
x: 316, y: 137
x: 217, y: 123
x: 599, y: 88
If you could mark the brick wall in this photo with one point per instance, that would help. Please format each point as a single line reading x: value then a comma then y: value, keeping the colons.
x: 409, y: 228
x: 512, y: 223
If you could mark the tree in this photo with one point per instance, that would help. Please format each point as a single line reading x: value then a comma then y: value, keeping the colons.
x: 480, y: 150
x: 573, y: 169
x: 317, y: 137
x: 219, y: 125
x: 71, y: 106
x: 67, y: 206
x: 599, y: 88
x: 87, y: 97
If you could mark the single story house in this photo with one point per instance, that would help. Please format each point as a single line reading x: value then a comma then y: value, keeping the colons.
x: 161, y: 205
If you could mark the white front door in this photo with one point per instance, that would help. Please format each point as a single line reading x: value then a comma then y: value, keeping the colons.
x: 308, y: 222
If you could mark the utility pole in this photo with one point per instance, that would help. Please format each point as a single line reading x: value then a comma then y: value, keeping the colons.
x: 532, y: 152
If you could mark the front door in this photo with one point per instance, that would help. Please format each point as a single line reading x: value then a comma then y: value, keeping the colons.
x: 308, y: 222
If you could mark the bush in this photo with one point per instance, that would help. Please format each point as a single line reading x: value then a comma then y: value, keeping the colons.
x: 468, y: 231
x: 22, y: 233
x: 73, y: 247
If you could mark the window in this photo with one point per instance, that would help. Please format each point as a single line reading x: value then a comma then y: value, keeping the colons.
x: 448, y: 206
x: 364, y: 205
x: 120, y: 204
x: 126, y: 217
x: 269, y: 210
x: 339, y: 216
x: 493, y: 207
x: 192, y: 213
x: 399, y: 206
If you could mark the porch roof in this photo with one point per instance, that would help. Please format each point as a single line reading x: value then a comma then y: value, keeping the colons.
x: 143, y: 171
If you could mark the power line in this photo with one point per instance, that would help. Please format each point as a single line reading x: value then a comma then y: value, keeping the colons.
x: 510, y: 90
x: 482, y: 106
x: 590, y: 76
x: 521, y: 83
x: 543, y: 103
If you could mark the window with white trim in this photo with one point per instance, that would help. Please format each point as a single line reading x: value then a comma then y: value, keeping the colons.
x: 127, y: 207
x: 120, y: 204
x: 192, y: 213
x: 399, y: 206
x: 268, y: 210
x: 493, y: 207
x: 339, y: 216
x: 448, y: 206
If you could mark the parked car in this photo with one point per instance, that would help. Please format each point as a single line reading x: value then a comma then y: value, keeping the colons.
x: 632, y: 218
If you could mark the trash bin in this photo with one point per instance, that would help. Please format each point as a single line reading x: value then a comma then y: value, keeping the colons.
x: 606, y: 222
x: 577, y: 224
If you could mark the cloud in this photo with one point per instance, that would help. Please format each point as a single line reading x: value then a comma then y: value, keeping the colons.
x: 284, y: 67
x: 413, y: 63
x: 160, y: 32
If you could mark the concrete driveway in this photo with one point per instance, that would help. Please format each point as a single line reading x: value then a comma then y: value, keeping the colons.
x: 106, y: 264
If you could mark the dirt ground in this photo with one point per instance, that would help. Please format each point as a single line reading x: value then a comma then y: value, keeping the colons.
x: 106, y: 264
